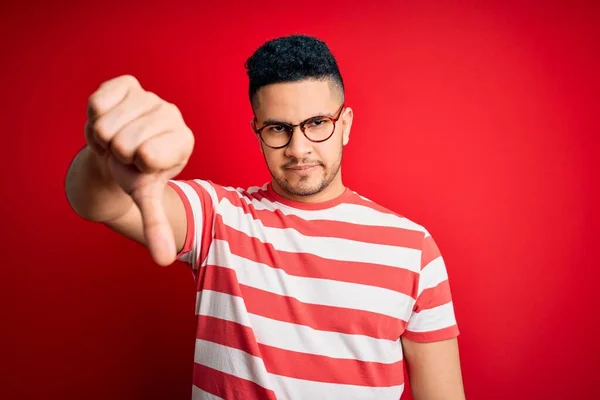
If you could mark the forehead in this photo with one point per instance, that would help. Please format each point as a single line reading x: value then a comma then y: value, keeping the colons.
x: 295, y: 101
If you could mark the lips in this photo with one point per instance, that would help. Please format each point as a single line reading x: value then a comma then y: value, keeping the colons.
x: 302, y: 167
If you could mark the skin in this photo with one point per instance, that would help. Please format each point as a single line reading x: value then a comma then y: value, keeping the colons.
x: 304, y: 170
x: 137, y: 141
x: 434, y: 370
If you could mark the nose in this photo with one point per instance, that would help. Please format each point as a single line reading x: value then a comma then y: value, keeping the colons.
x: 299, y: 146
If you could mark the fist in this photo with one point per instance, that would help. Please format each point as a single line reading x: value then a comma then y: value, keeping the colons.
x: 145, y: 142
x: 137, y: 127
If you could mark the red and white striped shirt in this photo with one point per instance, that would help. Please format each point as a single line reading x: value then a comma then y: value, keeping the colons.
x: 307, y: 301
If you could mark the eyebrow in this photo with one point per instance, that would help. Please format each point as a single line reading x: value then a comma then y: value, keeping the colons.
x: 271, y: 121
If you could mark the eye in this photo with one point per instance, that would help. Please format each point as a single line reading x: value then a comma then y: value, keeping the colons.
x: 276, y: 129
x: 316, y: 122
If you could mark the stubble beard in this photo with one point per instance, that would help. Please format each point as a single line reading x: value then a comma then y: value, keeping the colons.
x: 303, y: 188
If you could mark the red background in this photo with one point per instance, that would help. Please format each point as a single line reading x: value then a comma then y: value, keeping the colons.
x: 480, y: 122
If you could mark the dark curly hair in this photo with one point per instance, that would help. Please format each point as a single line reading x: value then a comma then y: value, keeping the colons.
x: 291, y: 59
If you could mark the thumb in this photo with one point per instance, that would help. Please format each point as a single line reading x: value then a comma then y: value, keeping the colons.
x: 157, y: 229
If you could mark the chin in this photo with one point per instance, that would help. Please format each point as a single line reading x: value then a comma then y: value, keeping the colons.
x: 303, y: 187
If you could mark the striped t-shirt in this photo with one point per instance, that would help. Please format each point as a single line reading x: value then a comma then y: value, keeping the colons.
x: 307, y: 300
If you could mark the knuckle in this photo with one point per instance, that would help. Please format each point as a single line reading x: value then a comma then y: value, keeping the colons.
x: 120, y: 83
x: 151, y: 97
x: 128, y: 80
x: 171, y: 110
x: 105, y: 84
x: 146, y: 156
x: 95, y: 102
x: 99, y: 127
x: 184, y: 145
x: 188, y: 138
x: 120, y: 148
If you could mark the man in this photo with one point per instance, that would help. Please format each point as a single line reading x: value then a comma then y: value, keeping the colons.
x: 306, y: 290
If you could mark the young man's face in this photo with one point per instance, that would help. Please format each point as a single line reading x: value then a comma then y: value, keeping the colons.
x: 303, y: 168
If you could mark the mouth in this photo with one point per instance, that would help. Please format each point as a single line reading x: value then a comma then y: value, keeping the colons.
x: 302, y: 167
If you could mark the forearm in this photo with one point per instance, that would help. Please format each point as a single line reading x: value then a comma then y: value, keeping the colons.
x: 91, y: 191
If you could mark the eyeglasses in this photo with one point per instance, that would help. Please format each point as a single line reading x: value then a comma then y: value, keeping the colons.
x: 277, y: 135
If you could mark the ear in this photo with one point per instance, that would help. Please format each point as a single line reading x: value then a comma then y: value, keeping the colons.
x: 253, y: 127
x: 346, y: 121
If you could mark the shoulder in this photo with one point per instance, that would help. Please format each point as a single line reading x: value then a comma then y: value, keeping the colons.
x: 381, y: 213
x: 219, y: 192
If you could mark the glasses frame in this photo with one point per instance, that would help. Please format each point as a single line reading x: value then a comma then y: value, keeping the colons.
x: 290, y: 128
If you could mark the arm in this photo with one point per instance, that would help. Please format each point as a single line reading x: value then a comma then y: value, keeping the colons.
x: 136, y: 142
x: 434, y: 370
x: 430, y: 341
x: 95, y: 196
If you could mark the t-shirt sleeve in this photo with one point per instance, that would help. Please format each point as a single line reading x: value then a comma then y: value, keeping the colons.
x: 433, y: 317
x: 200, y: 200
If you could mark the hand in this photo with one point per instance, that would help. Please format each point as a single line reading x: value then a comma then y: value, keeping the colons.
x: 144, y: 142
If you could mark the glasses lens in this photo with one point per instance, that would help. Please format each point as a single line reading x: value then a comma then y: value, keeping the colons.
x: 319, y: 128
x: 275, y: 135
